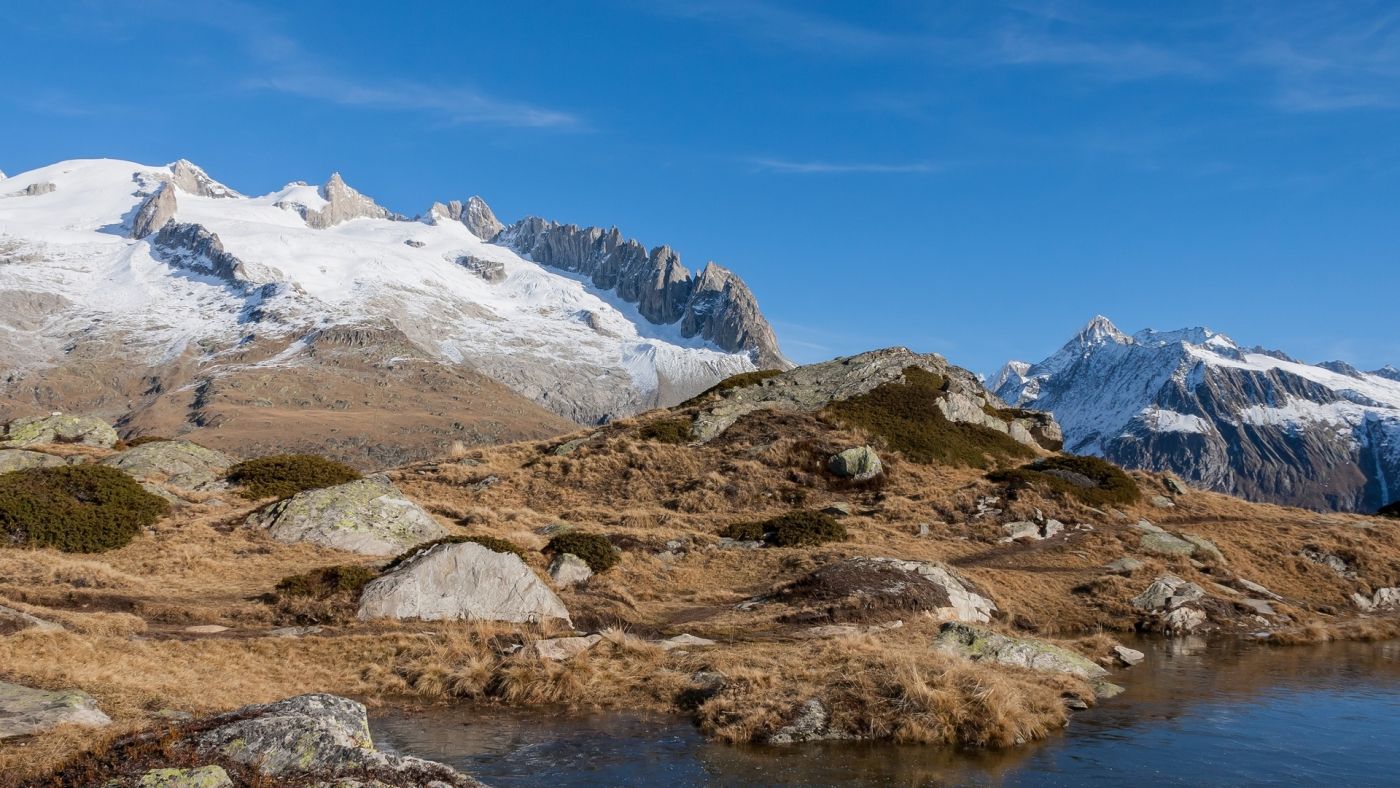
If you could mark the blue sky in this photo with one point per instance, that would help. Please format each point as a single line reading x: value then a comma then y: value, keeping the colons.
x: 968, y: 178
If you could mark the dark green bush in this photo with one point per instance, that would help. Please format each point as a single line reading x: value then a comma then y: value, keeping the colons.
x: 1390, y: 510
x: 489, y: 542
x: 144, y: 439
x: 905, y: 416
x: 282, y: 475
x: 735, y: 382
x: 1107, y: 484
x: 594, y: 549
x: 666, y: 431
x: 327, y: 581
x: 76, y: 509
x: 801, y: 528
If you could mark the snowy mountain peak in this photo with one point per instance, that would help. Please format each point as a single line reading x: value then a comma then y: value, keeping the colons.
x: 1251, y: 423
x: 1388, y: 372
x: 476, y: 215
x: 1011, y: 373
x: 1100, y: 330
x: 192, y: 179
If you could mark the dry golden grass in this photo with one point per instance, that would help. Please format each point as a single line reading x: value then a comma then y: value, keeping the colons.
x: 664, y: 505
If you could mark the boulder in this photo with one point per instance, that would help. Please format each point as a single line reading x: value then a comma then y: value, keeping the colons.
x: 1128, y: 657
x: 1026, y: 529
x: 202, y: 777
x: 684, y: 641
x: 178, y: 463
x: 856, y: 464
x: 368, y: 516
x: 1174, y: 485
x: 569, y: 570
x: 25, y: 711
x: 1381, y: 599
x: 1254, y: 587
x: 21, y: 460
x: 319, y: 735
x: 1175, y: 602
x: 1334, y: 562
x: 1162, y: 502
x: 810, y: 722
x: 866, y: 588
x: 58, y: 428
x: 1163, y: 543
x: 838, y: 509
x: 461, y: 580
x: 1124, y: 566
x: 561, y: 649
x: 12, y: 621
x: 1205, y: 548
x: 982, y: 644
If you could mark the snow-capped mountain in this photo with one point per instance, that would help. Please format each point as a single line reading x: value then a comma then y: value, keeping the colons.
x: 187, y: 282
x: 1249, y: 422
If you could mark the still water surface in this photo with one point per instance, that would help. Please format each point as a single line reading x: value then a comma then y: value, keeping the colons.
x: 1195, y: 714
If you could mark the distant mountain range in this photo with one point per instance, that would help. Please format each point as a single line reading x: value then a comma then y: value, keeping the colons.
x: 1246, y: 421
x: 162, y: 298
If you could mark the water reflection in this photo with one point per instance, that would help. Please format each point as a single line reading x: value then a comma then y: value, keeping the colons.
x: 1196, y: 713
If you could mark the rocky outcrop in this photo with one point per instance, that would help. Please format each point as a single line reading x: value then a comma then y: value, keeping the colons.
x: 1243, y: 421
x: 875, y: 589
x: 810, y: 388
x: 492, y: 271
x: 199, y: 777
x: 25, y: 711
x: 36, y: 189
x: 475, y: 214
x: 461, y: 580
x: 192, y: 247
x: 58, y: 428
x: 569, y: 570
x: 12, y: 621
x: 155, y: 211
x: 561, y: 649
x: 19, y: 460
x: 178, y: 463
x: 343, y: 203
x: 1176, y: 604
x: 368, y: 516
x: 190, y: 179
x: 811, y: 721
x: 981, y: 644
x: 715, y: 305
x: 318, y: 736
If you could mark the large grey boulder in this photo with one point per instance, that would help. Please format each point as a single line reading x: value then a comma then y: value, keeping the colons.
x: 569, y: 570
x: 462, y: 580
x: 201, y: 777
x: 25, y: 711
x: 178, y: 463
x: 368, y: 516
x: 322, y: 736
x: 857, y: 464
x: 1175, y: 603
x: 58, y: 428
x: 21, y: 460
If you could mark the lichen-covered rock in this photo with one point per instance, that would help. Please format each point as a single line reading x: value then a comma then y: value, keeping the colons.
x: 61, y: 428
x: 462, y: 580
x: 20, y: 460
x: 569, y: 570
x: 1124, y: 566
x: 1205, y: 548
x: 178, y: 463
x: 202, y: 777
x: 25, y: 711
x: 857, y: 464
x: 368, y: 516
x: 810, y: 722
x: 323, y: 736
x: 978, y: 643
x: 1175, y: 603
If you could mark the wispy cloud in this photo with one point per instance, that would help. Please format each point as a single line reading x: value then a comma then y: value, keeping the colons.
x: 278, y: 62
x: 840, y: 168
x: 1112, y: 60
x: 798, y: 29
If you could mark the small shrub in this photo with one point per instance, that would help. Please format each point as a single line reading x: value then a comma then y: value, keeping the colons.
x: 801, y: 528
x: 905, y: 416
x: 736, y: 382
x: 489, y: 542
x: 144, y: 439
x: 327, y: 581
x: 675, y: 431
x: 76, y: 509
x: 282, y: 475
x: 1390, y: 510
x: 1092, y: 480
x: 594, y: 549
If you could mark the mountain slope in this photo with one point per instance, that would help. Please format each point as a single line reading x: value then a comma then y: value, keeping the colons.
x: 1249, y: 422
x: 113, y: 273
